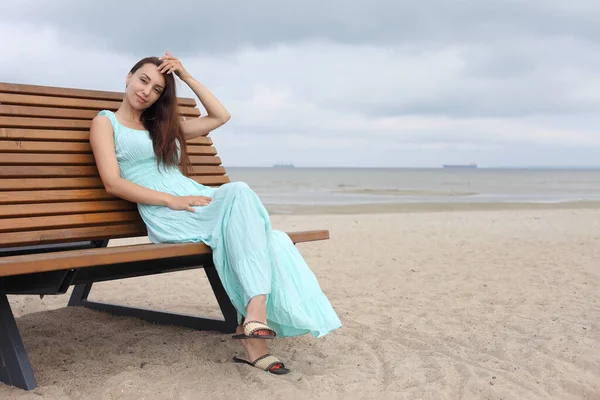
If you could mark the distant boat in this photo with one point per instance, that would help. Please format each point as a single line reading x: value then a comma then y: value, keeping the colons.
x: 282, y: 165
x: 472, y: 165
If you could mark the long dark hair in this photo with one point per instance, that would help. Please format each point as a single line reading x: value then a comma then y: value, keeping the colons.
x: 161, y: 119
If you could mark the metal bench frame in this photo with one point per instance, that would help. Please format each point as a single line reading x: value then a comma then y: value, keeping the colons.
x: 15, y: 368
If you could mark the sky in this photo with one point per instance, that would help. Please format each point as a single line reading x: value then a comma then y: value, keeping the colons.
x: 361, y: 83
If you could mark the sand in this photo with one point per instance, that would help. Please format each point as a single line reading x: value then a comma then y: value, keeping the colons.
x: 487, y: 304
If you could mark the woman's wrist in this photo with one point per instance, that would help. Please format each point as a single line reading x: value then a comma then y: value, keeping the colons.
x: 188, y: 78
x: 167, y: 199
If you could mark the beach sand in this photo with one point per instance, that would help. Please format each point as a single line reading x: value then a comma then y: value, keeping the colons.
x: 485, y: 304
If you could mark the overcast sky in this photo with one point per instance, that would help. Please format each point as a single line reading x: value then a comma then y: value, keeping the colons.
x: 345, y: 83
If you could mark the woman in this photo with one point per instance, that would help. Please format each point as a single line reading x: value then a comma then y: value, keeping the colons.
x: 141, y: 156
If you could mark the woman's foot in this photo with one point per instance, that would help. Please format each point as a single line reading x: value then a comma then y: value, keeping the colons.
x: 255, y: 328
x: 254, y: 347
x: 256, y: 310
x: 257, y: 349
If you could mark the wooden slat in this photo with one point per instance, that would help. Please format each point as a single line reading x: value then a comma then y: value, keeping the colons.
x: 202, y: 140
x: 72, y: 92
x: 16, y: 265
x: 201, y: 150
x: 46, y: 184
x: 309, y: 236
x: 51, y: 236
x: 70, y: 136
x: 32, y: 210
x: 63, y: 102
x: 46, y: 159
x: 208, y: 170
x: 53, y: 196
x: 78, y: 159
x: 31, y: 263
x: 53, y: 112
x: 215, y: 180
x: 45, y: 123
x: 46, y: 112
x: 66, y: 221
x: 187, y: 112
x: 38, y: 171
x: 205, y: 160
x: 43, y: 134
x: 17, y: 88
x: 85, y: 183
x: 17, y: 146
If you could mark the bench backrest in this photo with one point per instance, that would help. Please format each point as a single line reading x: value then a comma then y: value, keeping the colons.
x: 50, y: 191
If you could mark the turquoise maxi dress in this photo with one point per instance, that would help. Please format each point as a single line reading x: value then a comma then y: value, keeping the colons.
x: 250, y: 258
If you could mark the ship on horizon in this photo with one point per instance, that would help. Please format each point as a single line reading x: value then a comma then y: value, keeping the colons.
x: 472, y: 165
x: 283, y: 165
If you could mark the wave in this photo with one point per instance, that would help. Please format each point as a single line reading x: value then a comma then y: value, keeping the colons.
x: 403, y: 192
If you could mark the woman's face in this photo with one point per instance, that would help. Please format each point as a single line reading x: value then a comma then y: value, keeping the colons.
x: 144, y: 86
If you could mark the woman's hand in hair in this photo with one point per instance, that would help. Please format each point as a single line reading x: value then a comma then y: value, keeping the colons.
x: 172, y: 64
x: 188, y: 202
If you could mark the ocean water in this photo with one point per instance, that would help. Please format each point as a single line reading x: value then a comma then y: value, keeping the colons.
x: 348, y: 186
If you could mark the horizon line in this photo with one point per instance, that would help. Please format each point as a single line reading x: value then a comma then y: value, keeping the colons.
x: 421, y: 167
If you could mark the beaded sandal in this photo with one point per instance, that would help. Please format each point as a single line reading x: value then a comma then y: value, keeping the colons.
x: 256, y: 330
x: 267, y: 363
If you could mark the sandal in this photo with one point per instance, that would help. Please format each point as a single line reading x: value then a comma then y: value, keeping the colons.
x: 267, y: 363
x: 253, y: 329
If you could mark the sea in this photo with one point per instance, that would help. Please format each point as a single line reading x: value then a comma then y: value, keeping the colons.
x: 355, y: 186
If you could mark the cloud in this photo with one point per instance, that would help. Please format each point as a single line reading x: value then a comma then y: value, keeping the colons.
x: 338, y: 82
x: 229, y: 24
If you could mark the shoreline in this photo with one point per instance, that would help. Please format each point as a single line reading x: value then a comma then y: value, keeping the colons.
x: 294, y: 209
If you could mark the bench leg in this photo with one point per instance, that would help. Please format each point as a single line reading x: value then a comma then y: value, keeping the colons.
x: 80, y: 294
x: 15, y: 369
x: 226, y: 325
x: 227, y: 309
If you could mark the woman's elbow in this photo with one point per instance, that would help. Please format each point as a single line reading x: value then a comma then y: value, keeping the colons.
x: 110, y: 190
x: 111, y: 187
x: 225, y: 118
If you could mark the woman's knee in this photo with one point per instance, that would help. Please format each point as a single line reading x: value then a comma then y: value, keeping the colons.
x: 239, y: 185
x: 236, y: 187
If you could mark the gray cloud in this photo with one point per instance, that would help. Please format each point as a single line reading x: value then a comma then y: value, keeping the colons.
x: 511, y: 58
x: 424, y: 80
x: 145, y: 26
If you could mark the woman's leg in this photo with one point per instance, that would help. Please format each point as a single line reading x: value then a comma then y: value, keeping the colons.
x: 244, y: 257
x: 257, y: 348
x: 262, y: 271
x: 255, y: 311
x: 241, y: 247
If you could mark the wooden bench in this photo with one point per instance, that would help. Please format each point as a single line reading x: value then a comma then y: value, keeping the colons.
x: 56, y: 219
